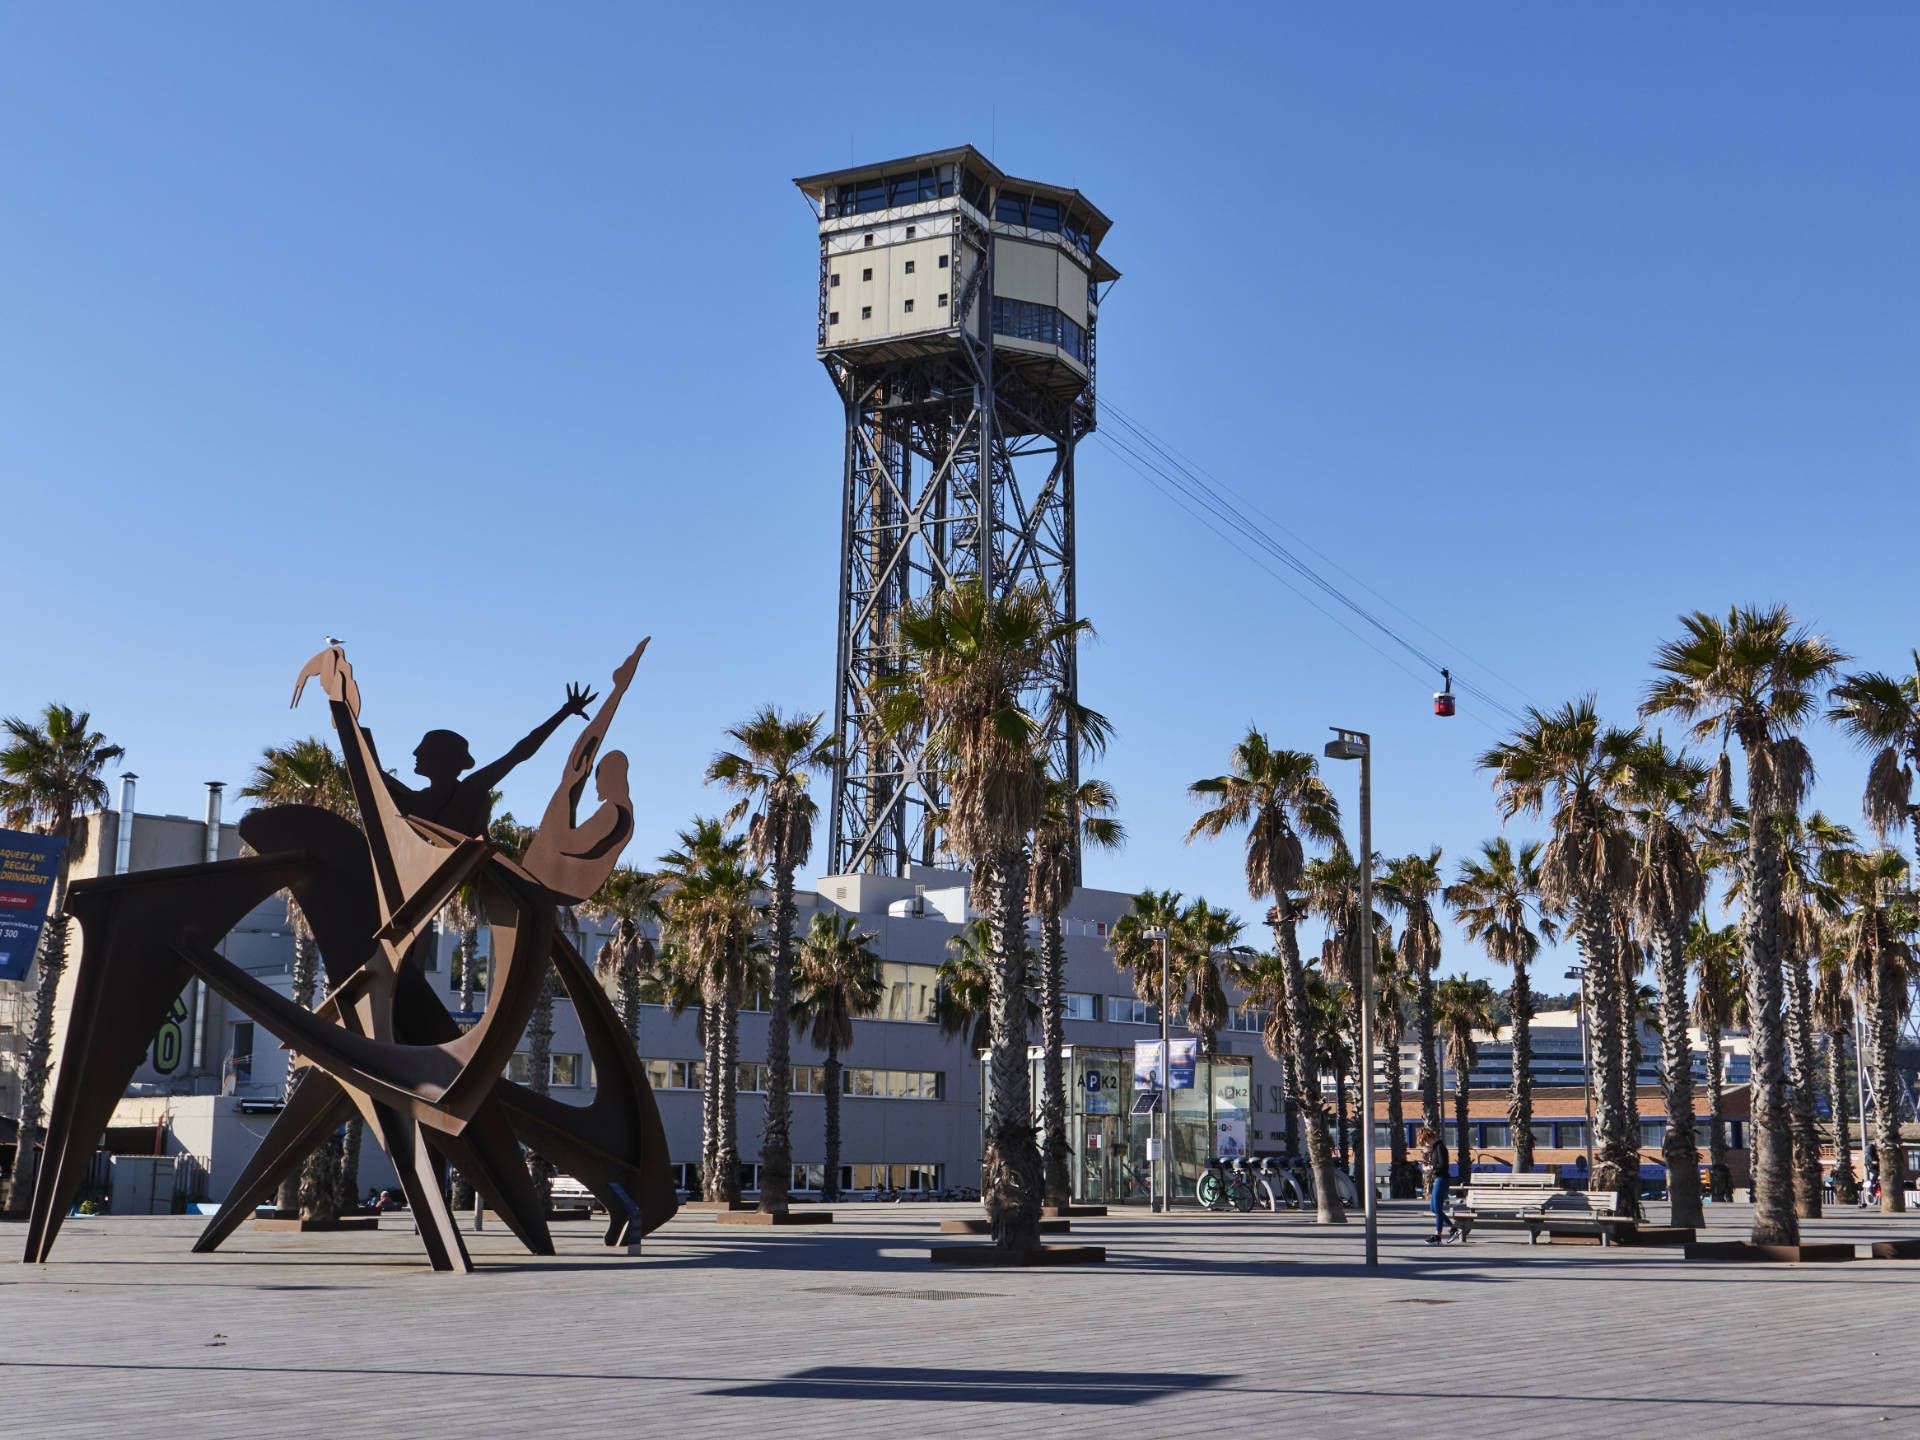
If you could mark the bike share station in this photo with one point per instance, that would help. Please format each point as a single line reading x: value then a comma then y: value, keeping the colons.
x: 1114, y: 1117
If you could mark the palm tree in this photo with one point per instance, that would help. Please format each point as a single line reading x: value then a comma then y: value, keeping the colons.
x: 1664, y: 790
x: 1332, y: 886
x: 1807, y: 903
x: 1881, y: 713
x: 1833, y: 1012
x: 1719, y: 1005
x: 972, y: 666
x: 1877, y: 945
x: 836, y: 980
x: 629, y: 901
x: 1410, y: 885
x: 1279, y: 797
x: 305, y: 772
x: 1135, y: 946
x: 1491, y: 899
x: 769, y: 773
x: 963, y: 994
x: 1069, y: 813
x: 49, y: 777
x: 1329, y: 1005
x: 1571, y: 763
x: 1463, y: 1006
x: 1753, y: 676
x: 1201, y: 937
x: 1389, y: 1027
x: 711, y: 917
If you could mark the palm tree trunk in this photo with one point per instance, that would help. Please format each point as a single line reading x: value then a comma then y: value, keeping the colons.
x: 469, y: 963
x: 1798, y: 1001
x: 1463, y: 1162
x: 1431, y: 1114
x: 1680, y: 1146
x: 306, y: 972
x: 1719, y: 1177
x: 830, y: 1076
x: 1053, y: 1070
x: 347, y: 1197
x: 726, y: 1147
x: 1402, y: 1182
x: 1340, y: 1114
x: 776, y: 1131
x: 540, y: 1075
x: 1306, y: 1070
x: 710, y: 1007
x: 39, y: 1058
x: 1629, y: 998
x: 1613, y: 1150
x: 1771, y: 1147
x: 1846, y: 1191
x: 1014, y: 1179
x: 1886, y: 1089
x: 1520, y: 1099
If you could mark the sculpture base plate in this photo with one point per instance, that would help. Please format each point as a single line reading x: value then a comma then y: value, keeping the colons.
x: 1072, y: 1212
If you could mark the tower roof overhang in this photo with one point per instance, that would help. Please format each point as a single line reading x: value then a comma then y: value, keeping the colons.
x: 817, y: 187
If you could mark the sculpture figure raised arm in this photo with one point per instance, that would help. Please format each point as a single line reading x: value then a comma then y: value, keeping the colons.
x: 570, y: 858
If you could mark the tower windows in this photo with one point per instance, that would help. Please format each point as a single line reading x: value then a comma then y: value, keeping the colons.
x: 867, y: 274
x: 909, y: 267
x: 833, y: 279
x: 910, y: 230
x: 866, y: 312
x: 833, y: 317
x: 943, y: 262
x: 867, y: 239
x: 942, y: 301
x: 906, y: 306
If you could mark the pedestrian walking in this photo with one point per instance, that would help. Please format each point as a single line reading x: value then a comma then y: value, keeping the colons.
x: 1433, y: 1164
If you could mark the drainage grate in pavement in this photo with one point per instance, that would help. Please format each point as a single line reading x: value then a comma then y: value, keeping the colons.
x: 1419, y: 1300
x: 883, y: 1294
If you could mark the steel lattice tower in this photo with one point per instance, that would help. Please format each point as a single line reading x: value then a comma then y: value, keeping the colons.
x: 957, y: 315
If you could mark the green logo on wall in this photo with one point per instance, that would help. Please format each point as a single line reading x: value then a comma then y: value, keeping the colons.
x: 171, y: 1042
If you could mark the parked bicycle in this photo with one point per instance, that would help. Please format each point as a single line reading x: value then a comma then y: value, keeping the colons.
x: 1224, y: 1185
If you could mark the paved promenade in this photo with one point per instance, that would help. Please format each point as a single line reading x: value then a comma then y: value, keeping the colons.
x: 1200, y: 1325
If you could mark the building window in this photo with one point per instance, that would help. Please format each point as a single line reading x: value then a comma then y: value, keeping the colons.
x: 907, y: 991
x: 943, y: 262
x: 1127, y: 1010
x: 1571, y: 1137
x: 909, y: 267
x: 942, y: 301
x: 1074, y: 1007
x: 906, y: 307
x: 893, y: 1084
x: 867, y: 239
x: 866, y: 312
x: 833, y: 317
x: 833, y: 279
x: 889, y: 1177
x: 867, y: 274
x: 1026, y: 320
x: 910, y: 230
x: 566, y: 1069
x: 240, y: 1053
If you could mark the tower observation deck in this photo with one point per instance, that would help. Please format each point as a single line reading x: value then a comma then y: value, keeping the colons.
x: 958, y: 312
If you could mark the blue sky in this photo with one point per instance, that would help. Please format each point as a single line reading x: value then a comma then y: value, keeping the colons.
x: 481, y: 336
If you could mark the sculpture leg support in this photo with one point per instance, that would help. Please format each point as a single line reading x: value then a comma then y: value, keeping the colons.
x: 317, y: 1106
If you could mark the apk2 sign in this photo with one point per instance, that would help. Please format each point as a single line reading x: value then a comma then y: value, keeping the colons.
x: 28, y: 864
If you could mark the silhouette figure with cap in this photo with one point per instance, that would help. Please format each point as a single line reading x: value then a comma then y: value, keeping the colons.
x: 465, y: 805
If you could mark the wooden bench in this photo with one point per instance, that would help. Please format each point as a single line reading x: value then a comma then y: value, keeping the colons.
x: 1585, y: 1214
x: 1505, y: 1200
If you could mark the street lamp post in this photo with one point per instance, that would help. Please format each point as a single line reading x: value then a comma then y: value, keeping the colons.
x: 1579, y: 972
x: 1357, y: 745
x: 1164, y: 936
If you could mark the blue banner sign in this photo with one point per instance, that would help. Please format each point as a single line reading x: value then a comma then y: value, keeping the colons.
x: 1149, y: 1066
x: 28, y: 864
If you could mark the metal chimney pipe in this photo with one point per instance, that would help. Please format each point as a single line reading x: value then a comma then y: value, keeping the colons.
x: 123, y: 842
x: 211, y: 854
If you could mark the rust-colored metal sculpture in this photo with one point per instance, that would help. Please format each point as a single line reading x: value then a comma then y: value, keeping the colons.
x: 382, y: 1042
